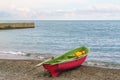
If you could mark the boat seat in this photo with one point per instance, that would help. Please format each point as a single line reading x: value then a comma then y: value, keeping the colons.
x: 70, y: 56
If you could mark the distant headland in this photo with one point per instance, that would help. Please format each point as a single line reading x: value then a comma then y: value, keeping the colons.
x: 16, y: 25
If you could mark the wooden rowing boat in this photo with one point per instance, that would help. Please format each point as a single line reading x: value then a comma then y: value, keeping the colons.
x: 68, y: 60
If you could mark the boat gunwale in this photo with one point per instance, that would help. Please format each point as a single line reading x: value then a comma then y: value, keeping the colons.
x: 68, y: 60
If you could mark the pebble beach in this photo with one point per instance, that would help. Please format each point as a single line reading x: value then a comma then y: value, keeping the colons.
x: 19, y: 70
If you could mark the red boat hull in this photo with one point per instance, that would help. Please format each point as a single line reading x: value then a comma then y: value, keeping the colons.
x: 56, y: 69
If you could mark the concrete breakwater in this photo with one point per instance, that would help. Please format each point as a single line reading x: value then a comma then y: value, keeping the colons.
x: 16, y: 25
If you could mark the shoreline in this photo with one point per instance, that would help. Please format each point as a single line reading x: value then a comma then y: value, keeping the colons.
x: 42, y: 57
x: 17, y: 70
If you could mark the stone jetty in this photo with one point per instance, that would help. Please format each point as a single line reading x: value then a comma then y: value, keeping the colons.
x: 16, y: 25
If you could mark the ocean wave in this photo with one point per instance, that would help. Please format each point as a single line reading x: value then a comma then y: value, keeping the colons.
x: 22, y: 55
x: 103, y: 64
x: 13, y: 52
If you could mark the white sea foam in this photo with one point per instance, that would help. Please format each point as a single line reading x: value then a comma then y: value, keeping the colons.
x: 12, y: 52
x: 20, y: 55
x: 103, y: 64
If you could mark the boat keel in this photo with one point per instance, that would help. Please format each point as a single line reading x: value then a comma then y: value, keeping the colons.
x: 55, y: 73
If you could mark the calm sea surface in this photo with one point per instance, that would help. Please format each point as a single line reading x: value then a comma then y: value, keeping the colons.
x: 57, y: 37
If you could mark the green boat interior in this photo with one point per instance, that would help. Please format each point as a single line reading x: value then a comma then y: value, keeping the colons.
x: 70, y: 55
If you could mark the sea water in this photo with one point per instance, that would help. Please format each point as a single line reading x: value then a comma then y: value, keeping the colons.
x: 54, y: 37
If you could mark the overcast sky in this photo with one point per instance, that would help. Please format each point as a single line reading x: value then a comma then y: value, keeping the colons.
x: 59, y: 9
